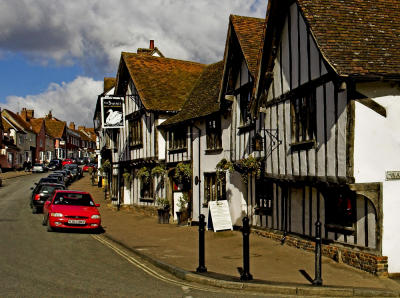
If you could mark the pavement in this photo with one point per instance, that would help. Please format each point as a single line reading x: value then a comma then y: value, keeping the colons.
x: 275, y: 268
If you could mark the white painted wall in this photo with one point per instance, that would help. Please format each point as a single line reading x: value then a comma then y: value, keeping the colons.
x: 377, y: 139
x: 391, y: 236
x: 234, y: 186
x: 161, y: 141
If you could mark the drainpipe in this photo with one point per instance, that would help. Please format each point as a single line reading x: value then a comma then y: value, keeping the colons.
x: 199, y: 171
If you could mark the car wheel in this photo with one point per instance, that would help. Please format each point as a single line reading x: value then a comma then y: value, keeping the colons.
x: 49, y: 228
x: 44, y: 222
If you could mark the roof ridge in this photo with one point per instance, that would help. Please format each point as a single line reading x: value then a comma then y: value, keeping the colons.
x: 166, y: 58
x: 245, y: 17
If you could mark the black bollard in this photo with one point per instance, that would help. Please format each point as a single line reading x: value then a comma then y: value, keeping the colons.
x: 202, y: 267
x: 318, y: 255
x: 245, y: 275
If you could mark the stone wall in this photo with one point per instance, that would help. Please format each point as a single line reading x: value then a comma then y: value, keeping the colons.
x: 366, y: 261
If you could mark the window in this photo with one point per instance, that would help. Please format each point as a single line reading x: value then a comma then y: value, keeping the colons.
x: 245, y: 96
x: 213, y: 131
x: 340, y: 209
x: 146, y: 188
x: 177, y: 139
x: 264, y: 196
x: 214, y: 189
x: 135, y: 132
x: 303, y: 118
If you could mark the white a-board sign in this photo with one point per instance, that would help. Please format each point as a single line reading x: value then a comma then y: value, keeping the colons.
x: 219, y: 216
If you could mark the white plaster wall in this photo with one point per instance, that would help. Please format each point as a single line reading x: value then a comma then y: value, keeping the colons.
x: 391, y: 236
x: 161, y: 141
x: 377, y: 139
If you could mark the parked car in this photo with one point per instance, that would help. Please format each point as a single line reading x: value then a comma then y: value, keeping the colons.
x: 85, y: 168
x: 75, y: 170
x: 69, y: 209
x: 41, y: 193
x: 55, y: 164
x: 49, y: 180
x: 67, y: 161
x: 60, y: 178
x: 39, y: 168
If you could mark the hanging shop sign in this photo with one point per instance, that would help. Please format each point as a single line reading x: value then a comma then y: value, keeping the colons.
x: 112, y: 112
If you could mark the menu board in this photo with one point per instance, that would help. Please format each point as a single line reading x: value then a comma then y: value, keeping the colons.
x: 219, y: 216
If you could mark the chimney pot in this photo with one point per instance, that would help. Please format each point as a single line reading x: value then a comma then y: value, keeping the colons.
x: 151, y: 44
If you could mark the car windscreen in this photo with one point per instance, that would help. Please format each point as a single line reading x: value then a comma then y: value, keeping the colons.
x: 50, y: 189
x: 73, y: 199
x: 51, y: 180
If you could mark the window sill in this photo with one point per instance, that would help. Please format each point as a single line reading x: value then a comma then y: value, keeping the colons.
x: 213, y: 151
x: 137, y: 146
x: 246, y: 127
x: 262, y: 211
x: 178, y: 150
x: 305, y: 145
x: 146, y: 200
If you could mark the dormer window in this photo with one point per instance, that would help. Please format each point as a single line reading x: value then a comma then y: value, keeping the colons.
x: 213, y: 132
x: 244, y: 101
x: 177, y: 139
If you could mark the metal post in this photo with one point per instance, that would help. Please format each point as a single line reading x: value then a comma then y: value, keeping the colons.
x: 245, y: 275
x: 318, y: 280
x: 202, y: 267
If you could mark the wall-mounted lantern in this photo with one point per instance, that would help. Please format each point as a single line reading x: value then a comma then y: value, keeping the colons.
x: 257, y: 142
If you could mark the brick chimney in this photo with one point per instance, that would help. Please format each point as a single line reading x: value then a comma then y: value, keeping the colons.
x: 72, y: 125
x: 27, y: 114
x: 49, y: 116
x: 151, y: 44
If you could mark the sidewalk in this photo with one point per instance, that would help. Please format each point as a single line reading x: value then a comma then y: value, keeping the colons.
x: 276, y: 268
x: 13, y: 174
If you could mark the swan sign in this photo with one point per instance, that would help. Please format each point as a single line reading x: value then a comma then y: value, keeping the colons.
x: 112, y: 112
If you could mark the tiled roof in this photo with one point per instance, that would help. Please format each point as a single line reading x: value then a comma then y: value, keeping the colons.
x: 249, y: 32
x: 55, y: 128
x: 6, y: 125
x: 18, y: 120
x: 357, y: 37
x: 36, y: 124
x: 109, y: 83
x: 162, y: 83
x: 203, y: 99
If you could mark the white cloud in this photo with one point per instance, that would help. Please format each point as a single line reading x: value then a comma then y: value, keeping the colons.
x: 73, y: 101
x: 94, y: 33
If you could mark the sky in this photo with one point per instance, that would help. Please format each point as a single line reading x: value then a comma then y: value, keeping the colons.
x: 55, y: 54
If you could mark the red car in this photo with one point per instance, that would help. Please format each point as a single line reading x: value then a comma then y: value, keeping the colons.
x: 67, y: 161
x: 71, y: 209
x: 85, y: 168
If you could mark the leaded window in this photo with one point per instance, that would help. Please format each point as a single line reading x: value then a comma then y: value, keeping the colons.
x: 213, y: 132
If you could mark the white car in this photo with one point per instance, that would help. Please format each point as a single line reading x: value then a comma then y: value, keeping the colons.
x: 39, y: 168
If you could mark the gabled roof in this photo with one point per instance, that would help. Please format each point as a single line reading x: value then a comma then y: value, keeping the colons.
x: 109, y: 83
x: 6, y: 125
x: 55, y: 128
x: 203, y: 99
x: 249, y: 32
x: 162, y: 83
x: 17, y: 119
x: 356, y: 37
x: 36, y: 124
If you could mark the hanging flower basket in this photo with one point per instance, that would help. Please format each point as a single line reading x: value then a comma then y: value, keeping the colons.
x: 248, y: 166
x: 183, y: 173
x: 143, y: 174
x: 222, y: 167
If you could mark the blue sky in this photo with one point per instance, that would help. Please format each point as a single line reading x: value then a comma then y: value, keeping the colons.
x: 57, y: 52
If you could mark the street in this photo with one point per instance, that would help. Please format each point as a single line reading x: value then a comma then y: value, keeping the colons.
x: 34, y: 262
